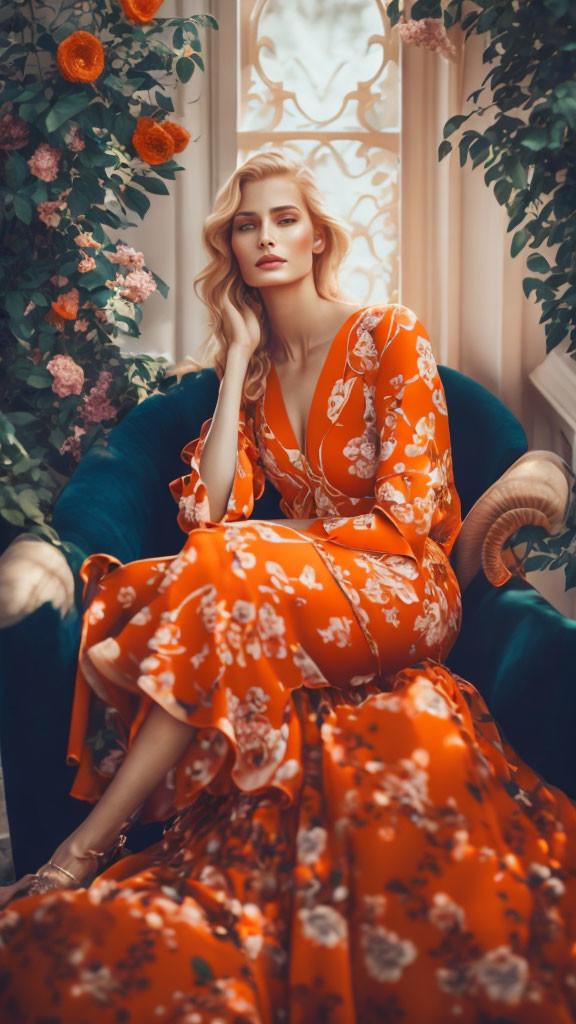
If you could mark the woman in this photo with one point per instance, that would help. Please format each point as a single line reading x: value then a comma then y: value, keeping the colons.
x: 354, y: 841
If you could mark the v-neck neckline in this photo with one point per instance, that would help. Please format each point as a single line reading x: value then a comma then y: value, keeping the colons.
x: 273, y: 376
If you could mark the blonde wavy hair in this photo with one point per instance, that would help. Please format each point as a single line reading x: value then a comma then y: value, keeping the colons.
x: 221, y: 275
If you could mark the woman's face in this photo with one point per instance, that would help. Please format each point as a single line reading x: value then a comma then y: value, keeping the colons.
x: 272, y: 219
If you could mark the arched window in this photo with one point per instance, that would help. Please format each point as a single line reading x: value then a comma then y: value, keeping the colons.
x: 320, y: 78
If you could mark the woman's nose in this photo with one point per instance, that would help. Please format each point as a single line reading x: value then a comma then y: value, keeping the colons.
x: 266, y: 237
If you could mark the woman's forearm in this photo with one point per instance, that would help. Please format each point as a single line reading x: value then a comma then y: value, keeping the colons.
x: 219, y: 455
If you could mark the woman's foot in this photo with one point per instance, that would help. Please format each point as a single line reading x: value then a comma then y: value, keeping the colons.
x: 70, y: 867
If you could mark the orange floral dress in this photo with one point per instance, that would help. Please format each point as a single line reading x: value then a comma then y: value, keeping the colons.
x: 354, y: 841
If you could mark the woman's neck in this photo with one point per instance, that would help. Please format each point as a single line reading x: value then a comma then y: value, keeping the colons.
x: 300, y: 320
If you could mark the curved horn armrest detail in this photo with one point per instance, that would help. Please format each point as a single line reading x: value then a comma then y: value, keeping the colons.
x: 535, y: 490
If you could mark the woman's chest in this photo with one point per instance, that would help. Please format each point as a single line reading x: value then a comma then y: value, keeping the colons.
x: 338, y: 426
x: 297, y: 388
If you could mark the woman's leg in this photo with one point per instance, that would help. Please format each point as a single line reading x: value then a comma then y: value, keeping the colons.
x: 160, y: 742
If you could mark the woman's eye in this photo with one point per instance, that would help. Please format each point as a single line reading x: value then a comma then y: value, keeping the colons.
x: 249, y: 224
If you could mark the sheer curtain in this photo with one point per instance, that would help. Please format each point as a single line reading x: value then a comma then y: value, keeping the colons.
x: 456, y: 268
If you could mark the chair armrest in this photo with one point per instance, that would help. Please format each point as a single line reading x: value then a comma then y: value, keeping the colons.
x: 33, y: 572
x: 118, y: 499
x: 534, y: 490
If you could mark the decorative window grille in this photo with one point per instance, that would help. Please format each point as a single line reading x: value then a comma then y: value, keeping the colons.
x: 321, y: 79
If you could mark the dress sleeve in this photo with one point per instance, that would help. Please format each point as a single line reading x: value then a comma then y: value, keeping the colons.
x: 190, y: 493
x: 414, y: 486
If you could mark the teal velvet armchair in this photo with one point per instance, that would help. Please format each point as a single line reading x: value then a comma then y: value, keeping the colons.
x: 517, y: 650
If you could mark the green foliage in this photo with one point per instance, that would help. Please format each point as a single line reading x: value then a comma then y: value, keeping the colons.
x: 547, y: 552
x: 529, y: 156
x: 529, y: 149
x: 98, y: 177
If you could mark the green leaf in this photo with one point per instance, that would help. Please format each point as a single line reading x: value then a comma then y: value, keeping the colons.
x: 12, y: 516
x: 167, y: 170
x: 464, y: 145
x: 519, y: 241
x: 29, y: 504
x: 39, y: 381
x: 163, y: 288
x: 185, y: 69
x: 530, y: 284
x: 23, y: 209
x: 537, y: 263
x: 15, y: 304
x: 393, y: 11
x: 134, y: 199
x: 151, y: 184
x: 535, y: 139
x: 16, y: 170
x: 164, y: 102
x: 502, y: 190
x: 22, y: 419
x: 66, y: 108
x: 453, y: 123
x: 444, y: 148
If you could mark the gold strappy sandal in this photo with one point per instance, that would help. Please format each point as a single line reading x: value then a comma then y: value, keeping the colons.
x: 51, y: 876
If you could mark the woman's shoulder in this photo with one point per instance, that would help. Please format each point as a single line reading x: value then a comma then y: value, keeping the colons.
x: 388, y: 320
x: 384, y: 331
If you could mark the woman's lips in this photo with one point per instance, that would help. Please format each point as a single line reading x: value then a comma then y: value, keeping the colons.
x: 270, y: 264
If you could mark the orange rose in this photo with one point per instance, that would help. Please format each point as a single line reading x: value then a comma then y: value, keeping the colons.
x: 140, y: 11
x: 151, y: 142
x: 80, y: 57
x: 66, y: 305
x: 178, y: 134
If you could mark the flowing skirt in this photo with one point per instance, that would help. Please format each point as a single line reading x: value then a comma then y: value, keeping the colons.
x: 354, y: 842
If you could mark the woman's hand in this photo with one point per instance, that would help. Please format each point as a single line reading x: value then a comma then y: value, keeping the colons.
x: 242, y: 329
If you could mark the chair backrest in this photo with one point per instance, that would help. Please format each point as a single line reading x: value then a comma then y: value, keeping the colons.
x: 118, y: 499
x: 486, y: 436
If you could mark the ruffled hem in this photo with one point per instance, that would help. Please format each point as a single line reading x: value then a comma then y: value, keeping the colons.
x: 246, y: 735
x: 189, y: 491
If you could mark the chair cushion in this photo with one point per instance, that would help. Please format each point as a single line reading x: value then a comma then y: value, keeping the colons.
x: 520, y: 653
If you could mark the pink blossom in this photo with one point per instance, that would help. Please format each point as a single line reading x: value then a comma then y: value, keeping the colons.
x: 97, y: 406
x: 13, y: 132
x: 138, y: 286
x: 68, y: 376
x: 74, y: 139
x: 48, y: 212
x: 72, y: 444
x: 126, y: 256
x: 31, y: 305
x: 59, y: 280
x: 81, y: 324
x: 44, y: 162
x: 427, y: 32
x: 88, y: 263
x: 101, y: 314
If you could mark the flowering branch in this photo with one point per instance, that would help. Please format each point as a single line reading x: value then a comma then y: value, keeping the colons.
x: 78, y: 155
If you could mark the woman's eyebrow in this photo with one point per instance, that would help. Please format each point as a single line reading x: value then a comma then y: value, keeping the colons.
x: 273, y: 209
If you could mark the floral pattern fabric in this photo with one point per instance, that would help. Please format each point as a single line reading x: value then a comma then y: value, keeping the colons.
x: 354, y: 840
